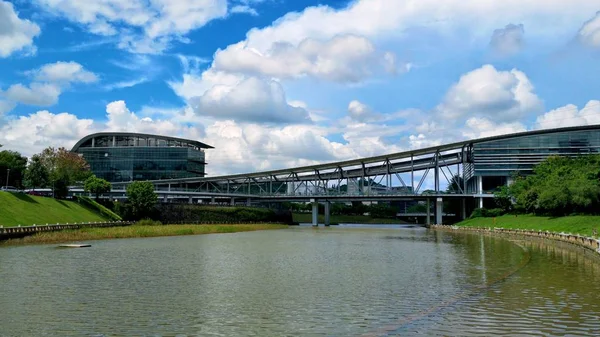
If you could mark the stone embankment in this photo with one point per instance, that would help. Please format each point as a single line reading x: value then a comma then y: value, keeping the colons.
x: 582, y: 241
x: 19, y: 232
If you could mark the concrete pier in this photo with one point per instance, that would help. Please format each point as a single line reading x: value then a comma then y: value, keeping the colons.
x: 327, y: 212
x: 315, y: 212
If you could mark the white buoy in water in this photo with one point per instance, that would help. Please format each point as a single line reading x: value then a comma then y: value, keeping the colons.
x: 75, y: 245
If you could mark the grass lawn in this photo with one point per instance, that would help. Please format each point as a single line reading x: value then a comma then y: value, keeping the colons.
x: 26, y: 210
x: 86, y: 234
x: 353, y: 219
x: 580, y: 224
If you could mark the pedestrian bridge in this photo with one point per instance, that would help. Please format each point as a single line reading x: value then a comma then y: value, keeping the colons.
x: 421, y: 174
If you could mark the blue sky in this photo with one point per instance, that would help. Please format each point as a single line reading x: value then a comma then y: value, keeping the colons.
x: 277, y: 83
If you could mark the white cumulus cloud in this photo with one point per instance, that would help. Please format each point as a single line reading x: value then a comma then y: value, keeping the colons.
x: 160, y: 21
x: 50, y: 81
x: 15, y: 33
x: 487, y: 92
x: 63, y: 72
x: 570, y: 115
x: 343, y: 58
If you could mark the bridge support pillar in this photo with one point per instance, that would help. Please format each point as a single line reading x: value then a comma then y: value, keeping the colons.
x: 428, y: 217
x: 212, y: 200
x: 166, y: 198
x: 480, y: 191
x: 327, y: 212
x: 315, y: 212
x: 249, y: 202
x: 190, y: 200
x: 439, y: 208
x: 232, y: 202
x: 463, y: 209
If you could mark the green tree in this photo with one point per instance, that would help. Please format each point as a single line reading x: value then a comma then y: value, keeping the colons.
x: 12, y: 168
x: 96, y: 186
x: 65, y: 169
x: 503, y: 200
x: 141, y: 198
x: 36, y: 174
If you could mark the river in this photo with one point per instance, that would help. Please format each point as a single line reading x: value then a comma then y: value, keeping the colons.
x: 337, y: 281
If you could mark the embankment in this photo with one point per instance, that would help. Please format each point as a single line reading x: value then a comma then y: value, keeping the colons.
x: 135, y: 231
x: 582, y: 225
x: 26, y: 210
x: 556, y: 229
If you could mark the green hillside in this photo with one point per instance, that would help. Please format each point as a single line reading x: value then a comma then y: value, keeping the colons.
x: 26, y: 210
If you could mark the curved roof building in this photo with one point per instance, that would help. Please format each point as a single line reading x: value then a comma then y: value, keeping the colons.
x: 126, y: 156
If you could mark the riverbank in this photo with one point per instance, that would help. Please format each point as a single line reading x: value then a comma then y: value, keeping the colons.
x: 135, y: 231
x: 337, y: 219
x: 583, y: 225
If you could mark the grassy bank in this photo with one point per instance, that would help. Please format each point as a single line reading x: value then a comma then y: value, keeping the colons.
x: 26, y: 210
x: 86, y: 234
x: 354, y: 219
x: 580, y: 224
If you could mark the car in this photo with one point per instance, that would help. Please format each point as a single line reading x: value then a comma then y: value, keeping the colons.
x: 11, y: 189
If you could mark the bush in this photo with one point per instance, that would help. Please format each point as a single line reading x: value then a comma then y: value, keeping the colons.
x: 148, y: 222
x: 478, y: 213
x: 487, y: 213
x: 495, y: 212
x: 185, y: 213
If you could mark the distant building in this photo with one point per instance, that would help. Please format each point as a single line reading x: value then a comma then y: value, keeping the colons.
x: 124, y: 156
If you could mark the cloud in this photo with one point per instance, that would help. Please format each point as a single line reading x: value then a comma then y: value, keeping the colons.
x: 508, y: 40
x: 6, y: 106
x: 38, y: 94
x: 487, y: 92
x: 343, y: 58
x: 63, y: 72
x: 50, y: 81
x: 125, y: 84
x: 15, y: 34
x: 479, y: 127
x: 31, y: 134
x: 362, y: 113
x: 252, y: 99
x: 570, y: 115
x: 244, y: 9
x: 589, y: 34
x: 144, y: 26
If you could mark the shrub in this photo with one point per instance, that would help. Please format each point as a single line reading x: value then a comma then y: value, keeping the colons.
x: 478, y: 213
x: 148, y: 222
x: 487, y: 213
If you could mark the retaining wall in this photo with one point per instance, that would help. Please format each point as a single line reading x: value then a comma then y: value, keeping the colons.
x: 19, y: 232
x: 582, y: 241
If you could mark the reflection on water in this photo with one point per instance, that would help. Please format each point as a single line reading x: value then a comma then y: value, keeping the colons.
x: 337, y: 281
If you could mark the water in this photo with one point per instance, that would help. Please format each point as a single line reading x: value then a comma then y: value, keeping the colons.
x: 338, y: 281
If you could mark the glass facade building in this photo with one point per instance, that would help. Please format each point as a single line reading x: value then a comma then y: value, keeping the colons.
x: 493, y: 163
x: 119, y: 157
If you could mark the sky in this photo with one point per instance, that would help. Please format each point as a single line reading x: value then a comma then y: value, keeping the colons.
x: 281, y: 83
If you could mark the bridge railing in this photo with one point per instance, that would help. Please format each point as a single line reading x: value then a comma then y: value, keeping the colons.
x: 21, y: 231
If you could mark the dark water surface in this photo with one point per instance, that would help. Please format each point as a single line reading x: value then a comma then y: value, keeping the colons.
x: 338, y: 281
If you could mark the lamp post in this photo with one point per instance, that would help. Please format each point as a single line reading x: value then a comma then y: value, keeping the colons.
x: 7, y: 175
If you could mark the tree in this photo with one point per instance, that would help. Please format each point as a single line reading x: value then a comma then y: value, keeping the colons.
x: 141, y: 198
x: 502, y: 199
x: 65, y: 169
x: 36, y: 174
x: 96, y: 186
x: 12, y: 168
